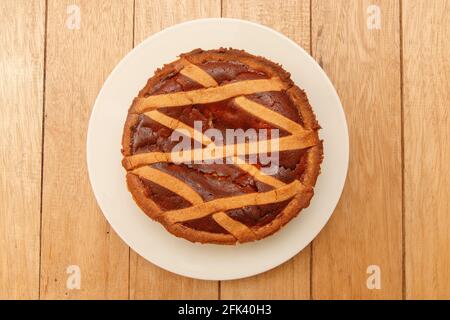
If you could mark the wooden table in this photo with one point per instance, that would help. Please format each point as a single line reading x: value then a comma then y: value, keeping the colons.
x: 390, y: 234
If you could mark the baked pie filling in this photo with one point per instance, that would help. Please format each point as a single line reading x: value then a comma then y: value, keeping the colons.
x: 220, y: 201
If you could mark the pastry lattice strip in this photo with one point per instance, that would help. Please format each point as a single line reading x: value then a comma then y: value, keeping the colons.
x: 182, y: 189
x: 216, y: 207
x: 239, y: 230
x: 207, y: 95
x: 270, y: 116
x: 197, y: 74
x: 300, y: 139
x: 175, y: 124
x: 204, y: 209
x: 220, y: 152
x: 252, y: 170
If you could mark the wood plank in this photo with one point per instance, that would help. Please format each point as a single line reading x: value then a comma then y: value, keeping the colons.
x: 74, y: 231
x: 290, y: 17
x: 366, y: 227
x: 426, y: 79
x: 292, y: 279
x: 146, y: 280
x: 21, y: 102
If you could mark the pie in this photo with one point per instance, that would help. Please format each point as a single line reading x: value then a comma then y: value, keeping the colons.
x: 208, y: 190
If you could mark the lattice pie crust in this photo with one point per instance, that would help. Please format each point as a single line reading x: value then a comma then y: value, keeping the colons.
x: 224, y: 203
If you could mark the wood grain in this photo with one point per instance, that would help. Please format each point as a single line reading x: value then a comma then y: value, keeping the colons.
x: 426, y: 79
x: 290, y: 17
x: 21, y: 102
x: 292, y: 279
x: 366, y: 227
x: 74, y: 232
x: 146, y: 280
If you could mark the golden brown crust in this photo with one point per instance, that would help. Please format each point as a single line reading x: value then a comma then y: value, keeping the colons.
x: 130, y: 122
x: 315, y: 154
x: 291, y: 211
x: 137, y: 189
x: 150, y: 208
x: 193, y: 235
x: 313, y: 160
x: 165, y: 72
x: 239, y: 230
x: 300, y: 99
x: 270, y: 68
x: 207, y: 95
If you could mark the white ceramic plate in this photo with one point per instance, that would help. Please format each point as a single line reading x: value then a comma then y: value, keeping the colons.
x: 150, y: 239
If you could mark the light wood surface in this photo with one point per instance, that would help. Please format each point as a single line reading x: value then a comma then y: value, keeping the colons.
x: 74, y: 231
x: 21, y: 96
x: 393, y: 216
x: 426, y: 89
x: 366, y: 227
